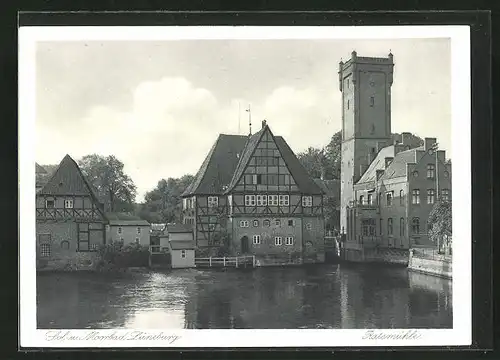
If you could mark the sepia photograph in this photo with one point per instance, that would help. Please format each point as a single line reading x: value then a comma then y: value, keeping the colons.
x: 294, y: 181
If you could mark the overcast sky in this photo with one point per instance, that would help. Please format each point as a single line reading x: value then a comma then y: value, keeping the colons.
x: 159, y: 106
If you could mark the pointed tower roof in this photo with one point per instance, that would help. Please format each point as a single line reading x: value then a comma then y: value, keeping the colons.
x: 68, y: 179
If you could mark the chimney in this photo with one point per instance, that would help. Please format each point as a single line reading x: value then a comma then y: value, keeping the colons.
x: 380, y: 146
x: 379, y: 173
x: 388, y: 161
x: 264, y: 123
x: 428, y: 143
x: 398, y: 148
x: 406, y: 138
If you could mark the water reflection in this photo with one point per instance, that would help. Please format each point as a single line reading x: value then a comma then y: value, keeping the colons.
x: 329, y: 296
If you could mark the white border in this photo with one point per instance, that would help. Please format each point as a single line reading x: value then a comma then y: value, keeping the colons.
x: 461, y: 334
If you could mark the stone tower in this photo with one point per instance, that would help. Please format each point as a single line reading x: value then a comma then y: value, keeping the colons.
x: 365, y: 83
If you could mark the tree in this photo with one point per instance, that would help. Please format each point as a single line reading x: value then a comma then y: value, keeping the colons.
x: 333, y: 153
x: 327, y: 161
x: 163, y: 204
x: 440, y: 221
x: 114, y: 188
x: 314, y: 161
x: 415, y: 141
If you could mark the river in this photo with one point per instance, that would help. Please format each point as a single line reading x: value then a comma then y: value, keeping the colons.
x: 319, y: 296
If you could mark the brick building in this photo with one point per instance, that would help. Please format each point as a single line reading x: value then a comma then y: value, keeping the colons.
x: 387, y: 188
x: 70, y: 222
x: 254, y: 190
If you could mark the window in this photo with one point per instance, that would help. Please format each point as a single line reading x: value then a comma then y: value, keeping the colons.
x: 348, y: 83
x: 431, y: 196
x: 244, y: 223
x: 368, y: 226
x: 272, y: 200
x: 266, y: 223
x: 289, y: 240
x: 261, y: 200
x: 379, y: 198
x: 370, y: 199
x: 256, y: 239
x: 249, y: 200
x: 138, y: 230
x: 213, y: 201
x: 372, y: 101
x: 277, y: 222
x: 430, y: 171
x: 68, y: 204
x: 401, y: 197
x: 381, y: 226
x: 49, y: 204
x: 256, y: 223
x: 415, y: 196
x: 137, y: 240
x: 291, y: 222
x: 445, y: 195
x: 308, y: 226
x: 278, y: 240
x: 415, y: 225
x: 389, y: 226
x: 402, y: 227
x: 45, y: 250
x: 65, y: 245
x: 119, y: 230
x: 361, y: 200
x: 257, y: 179
x: 348, y: 103
x: 284, y: 200
x: 183, y: 254
x: 307, y: 201
x: 389, y: 198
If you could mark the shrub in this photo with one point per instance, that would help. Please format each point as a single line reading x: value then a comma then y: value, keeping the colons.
x: 117, y: 255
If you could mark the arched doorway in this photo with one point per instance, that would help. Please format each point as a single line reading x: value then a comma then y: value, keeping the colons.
x: 244, y: 244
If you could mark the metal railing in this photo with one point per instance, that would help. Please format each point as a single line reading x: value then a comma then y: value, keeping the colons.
x: 229, y: 261
x: 430, y: 253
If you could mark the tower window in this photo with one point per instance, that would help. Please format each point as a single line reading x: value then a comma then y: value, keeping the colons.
x: 348, y: 103
x: 430, y: 196
x: 430, y: 171
x: 372, y: 101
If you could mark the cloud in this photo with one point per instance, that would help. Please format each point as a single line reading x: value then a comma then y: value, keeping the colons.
x: 172, y: 124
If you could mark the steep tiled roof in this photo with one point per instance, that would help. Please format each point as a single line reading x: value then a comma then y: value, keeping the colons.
x: 377, y: 164
x: 331, y: 188
x: 305, y: 183
x: 397, y: 168
x: 228, y: 159
x: 68, y: 179
x: 250, y: 146
x: 126, y: 219
x: 218, y: 167
x: 179, y: 228
x: 181, y: 244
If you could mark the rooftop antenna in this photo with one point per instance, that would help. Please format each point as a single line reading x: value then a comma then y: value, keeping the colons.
x: 249, y: 118
x: 239, y: 117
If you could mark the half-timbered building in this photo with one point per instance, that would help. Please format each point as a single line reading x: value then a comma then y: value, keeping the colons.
x: 252, y: 196
x: 70, y: 222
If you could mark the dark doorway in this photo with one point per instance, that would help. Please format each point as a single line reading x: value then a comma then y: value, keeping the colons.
x: 244, y: 244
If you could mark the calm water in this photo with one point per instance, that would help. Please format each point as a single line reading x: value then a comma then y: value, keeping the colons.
x: 320, y: 296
